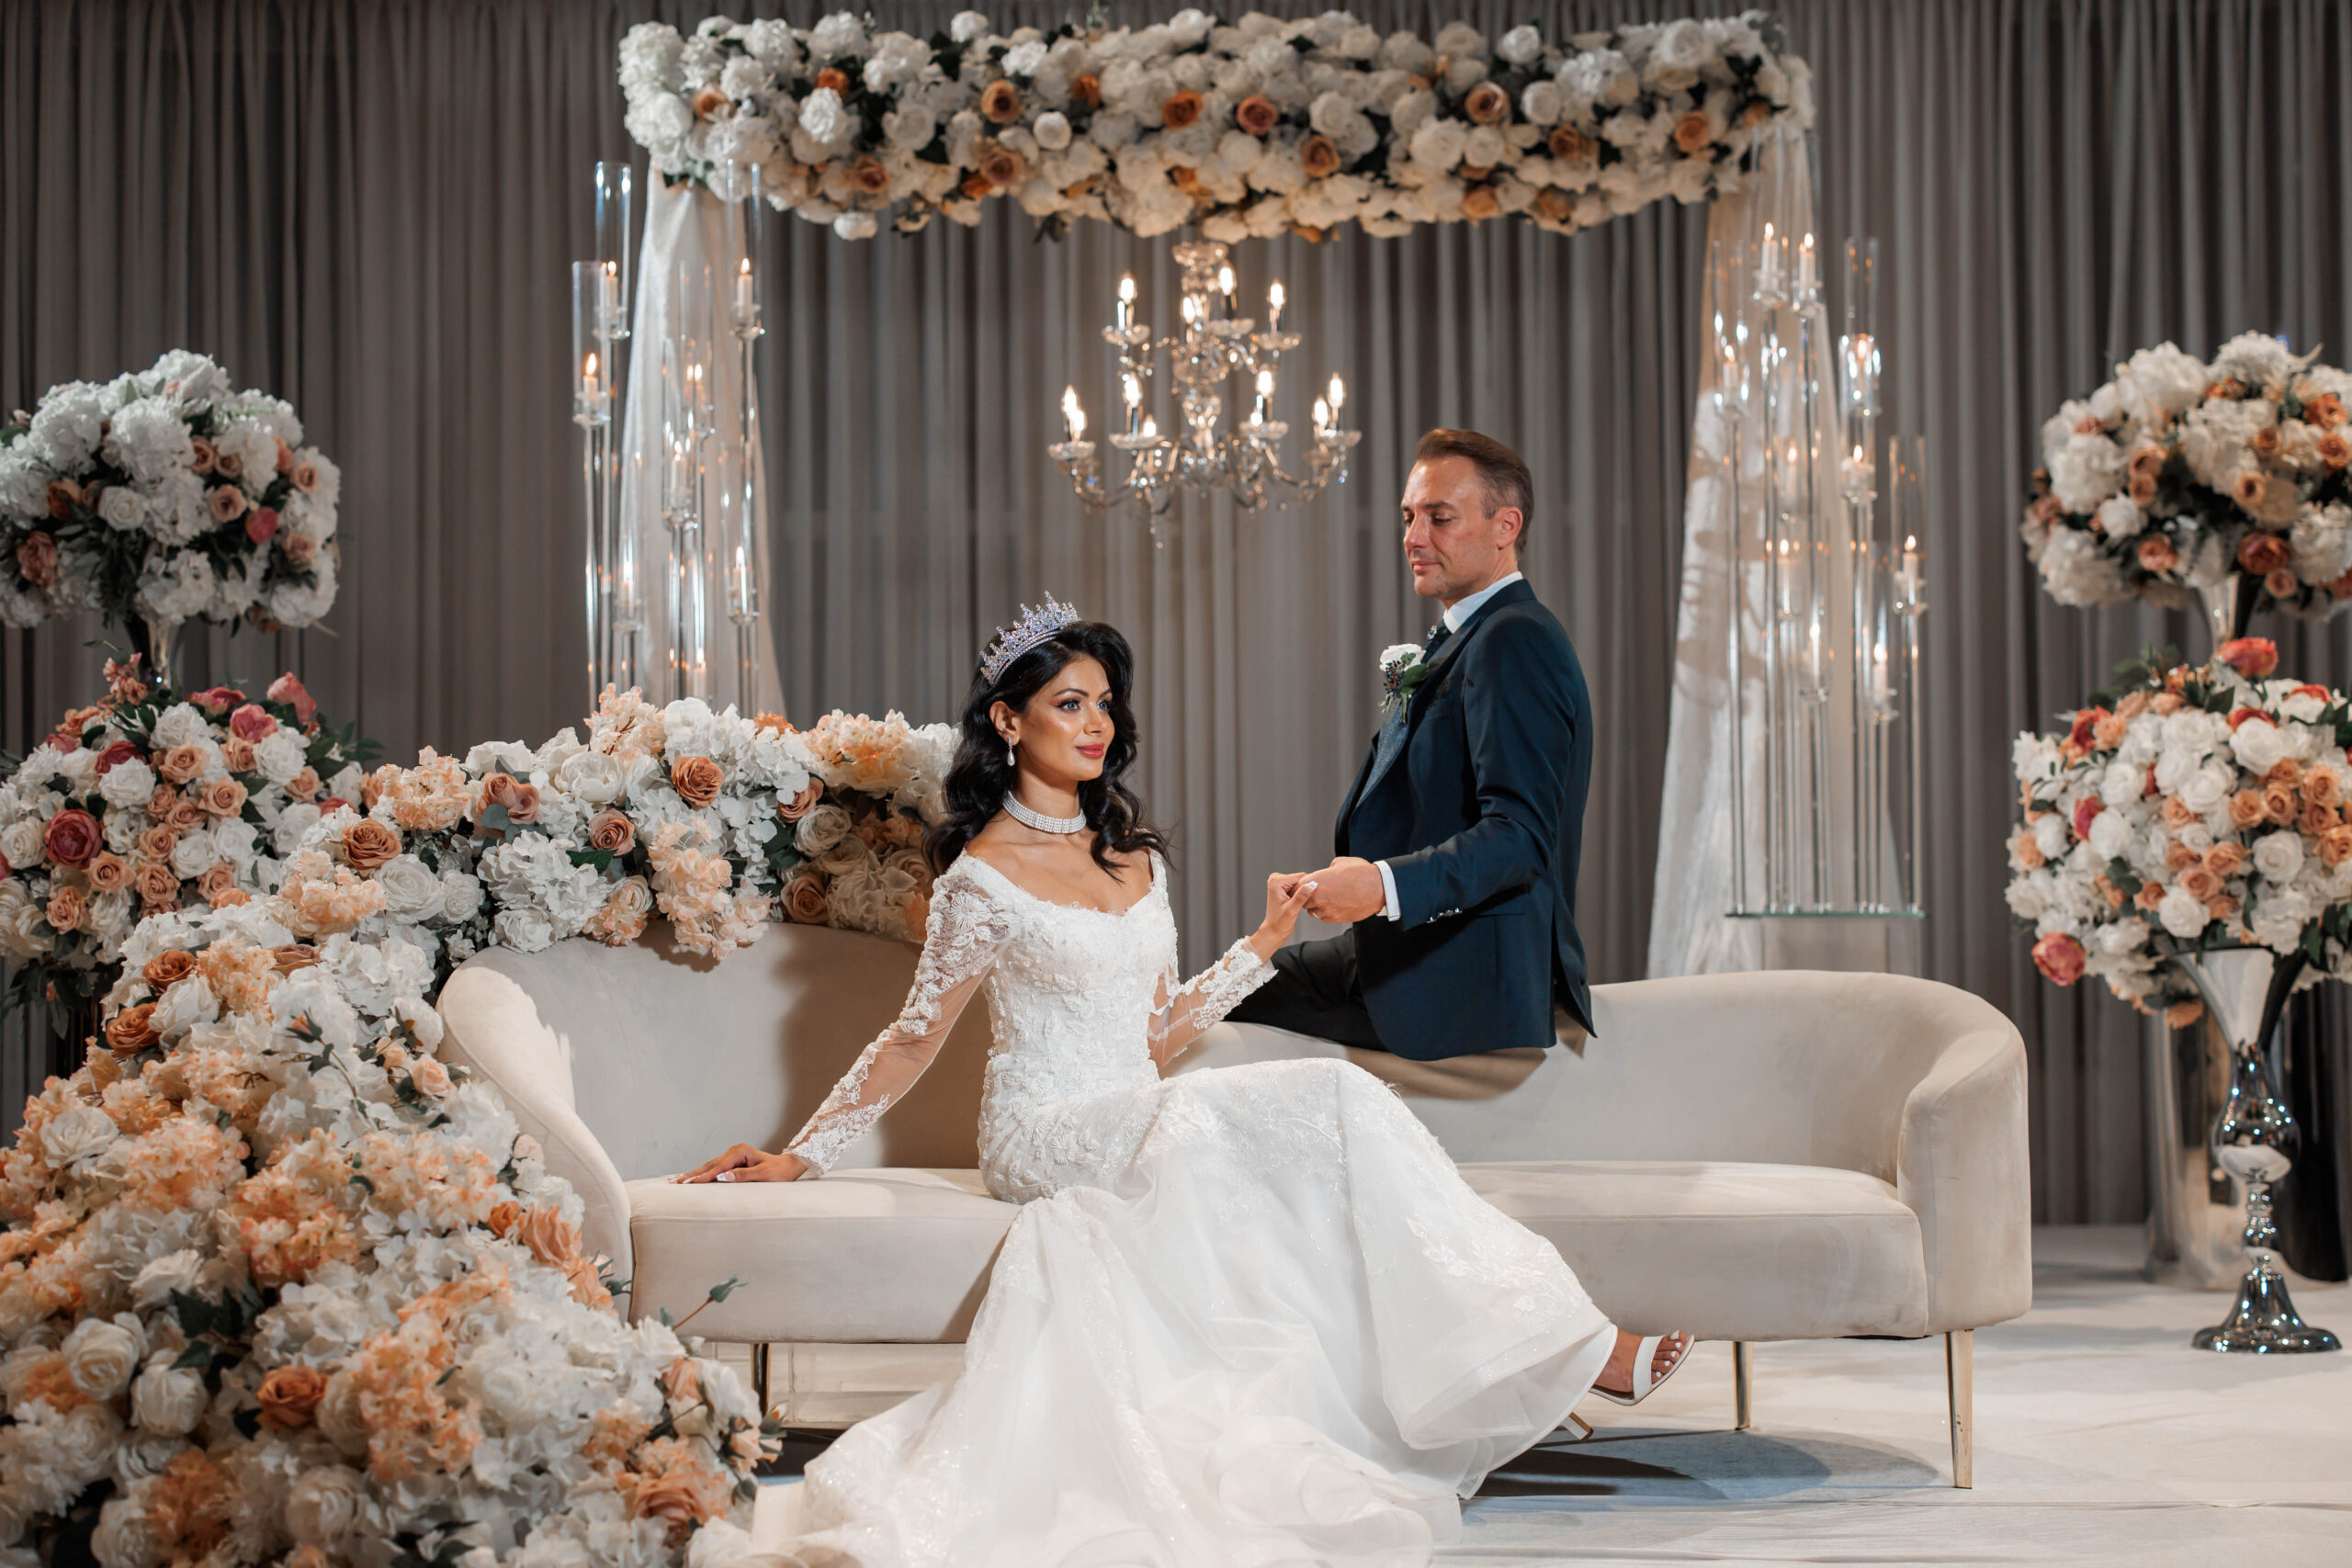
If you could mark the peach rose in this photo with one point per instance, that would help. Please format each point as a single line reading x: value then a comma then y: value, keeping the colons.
x: 1257, y: 114
x: 297, y: 547
x: 305, y: 786
x: 180, y: 764
x: 2146, y: 458
x: 2248, y: 492
x: 611, y: 830
x: 432, y: 1079
x: 228, y: 502
x: 1000, y: 165
x: 1000, y: 102
x: 2317, y: 820
x: 157, y: 843
x: 67, y: 905
x: 2179, y: 856
x: 2028, y: 854
x: 1480, y: 202
x: 1567, y: 145
x: 697, y: 780
x: 2200, y: 883
x: 1086, y: 89
x: 1693, y: 133
x: 64, y: 495
x: 552, y: 1240
x: 869, y: 173
x: 2144, y: 489
x: 2326, y: 411
x: 804, y: 898
x: 2280, y: 805
x: 1186, y: 178
x: 1487, y: 104
x: 2223, y: 860
x: 1180, y: 108
x: 167, y: 969
x: 369, y: 844
x: 2060, y: 958
x: 2280, y: 583
x: 2285, y: 771
x: 2132, y: 706
x: 108, y: 873
x: 2334, y: 449
x: 2227, y: 387
x: 2180, y: 1015
x: 202, y: 462
x: 221, y: 798
x: 184, y: 816
x: 1555, y: 203
x: 36, y: 559
x: 292, y: 956
x: 237, y: 754
x: 2335, y: 847
x: 2261, y: 553
x: 2246, y: 809
x: 218, y: 885
x: 132, y: 1030
x: 800, y: 804
x: 521, y: 800
x: 305, y: 476
x: 2178, y: 813
x: 1318, y: 157
x: 2151, y: 894
x: 157, y: 885
x: 2319, y: 786
x: 2265, y: 442
x: 710, y: 103
x: 2107, y: 733
x: 289, y: 1396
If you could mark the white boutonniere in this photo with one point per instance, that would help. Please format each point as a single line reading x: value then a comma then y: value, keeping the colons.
x: 1401, y: 672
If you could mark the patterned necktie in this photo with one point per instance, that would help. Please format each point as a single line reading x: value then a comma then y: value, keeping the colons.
x: 1392, y: 729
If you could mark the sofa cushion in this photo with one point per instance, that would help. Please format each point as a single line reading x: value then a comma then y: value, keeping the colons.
x: 1727, y: 1251
x: 895, y: 1256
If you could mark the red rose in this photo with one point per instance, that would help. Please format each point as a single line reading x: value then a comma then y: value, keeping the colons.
x: 5, y: 870
x: 252, y: 722
x: 71, y: 837
x: 288, y: 690
x: 2060, y: 958
x: 2080, y: 736
x: 2251, y: 657
x: 2085, y: 809
x: 114, y: 756
x: 261, y: 525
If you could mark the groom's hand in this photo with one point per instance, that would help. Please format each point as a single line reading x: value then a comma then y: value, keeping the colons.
x: 1346, y: 891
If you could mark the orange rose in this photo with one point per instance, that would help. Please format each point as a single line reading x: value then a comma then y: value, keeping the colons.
x: 869, y: 173
x: 804, y: 898
x: 975, y: 185
x: 2334, y: 450
x: 290, y: 1395
x: 1086, y: 89
x: 552, y: 1240
x: 1480, y: 202
x: 709, y: 103
x: 2246, y: 809
x: 1693, y: 133
x: 2151, y: 894
x: 305, y: 786
x: 2156, y: 554
x: 1555, y: 203
x: 1000, y: 102
x: 2178, y: 813
x: 1257, y: 114
x: 2285, y: 771
x: 167, y: 969
x: 1186, y: 178
x: 2253, y: 657
x: 157, y: 885
x: 2326, y: 411
x: 2144, y: 489
x: 2223, y: 860
x: 108, y: 873
x: 2146, y: 458
x: 2029, y: 853
x: 1486, y: 105
x: 227, y: 898
x: 2319, y: 786
x: 221, y: 798
x: 2106, y: 733
x: 2180, y: 1015
x: 612, y: 830
x: 1318, y: 156
x: 132, y: 1030
x: 2248, y: 492
x: 1180, y: 109
x: 2265, y: 442
x: 833, y: 76
x: 999, y: 164
x: 2335, y: 847
x: 1568, y: 144
x: 369, y: 844
x: 184, y: 816
x: 157, y: 843
x: 696, y: 780
x: 2179, y: 856
x: 800, y: 804
x: 2317, y: 820
x: 2280, y: 805
x: 237, y: 752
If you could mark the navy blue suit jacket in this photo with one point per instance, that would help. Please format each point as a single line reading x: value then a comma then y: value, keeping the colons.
x: 1481, y: 820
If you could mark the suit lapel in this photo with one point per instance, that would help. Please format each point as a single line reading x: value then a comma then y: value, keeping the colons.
x: 1509, y: 595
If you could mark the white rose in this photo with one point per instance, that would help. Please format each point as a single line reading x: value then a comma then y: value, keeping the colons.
x: 2258, y: 746
x: 2049, y: 836
x: 100, y: 1356
x: 1520, y: 46
x: 280, y: 755
x: 823, y: 116
x: 127, y: 784
x: 180, y: 725
x: 2208, y: 787
x: 966, y: 25
x: 2110, y: 834
x: 412, y: 892
x: 166, y: 1401
x: 174, y: 1271
x: 2182, y: 915
x: 1052, y: 131
x: 121, y: 508
x: 2121, y: 785
x: 125, y: 1535
x: 2119, y: 518
x: 20, y: 843
x: 2278, y: 856
x: 298, y: 818
x: 1541, y: 103
x: 821, y: 829
x: 325, y: 1504
x: 194, y: 855
x: 523, y: 930
x: 77, y: 1134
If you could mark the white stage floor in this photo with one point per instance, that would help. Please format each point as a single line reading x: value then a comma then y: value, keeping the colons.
x: 2100, y: 1438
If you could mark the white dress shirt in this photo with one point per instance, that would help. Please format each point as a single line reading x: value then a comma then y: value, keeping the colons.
x: 1457, y: 616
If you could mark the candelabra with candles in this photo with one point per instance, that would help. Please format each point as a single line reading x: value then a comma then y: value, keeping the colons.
x: 1211, y: 346
x: 1824, y: 629
x: 600, y: 332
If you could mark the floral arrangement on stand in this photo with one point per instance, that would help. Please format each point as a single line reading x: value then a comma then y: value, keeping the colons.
x: 161, y: 496
x: 276, y: 1280
x: 2181, y: 475
x: 151, y: 801
x: 2187, y: 809
x: 1258, y: 126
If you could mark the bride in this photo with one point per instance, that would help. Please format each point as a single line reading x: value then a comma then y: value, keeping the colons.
x: 1245, y: 1318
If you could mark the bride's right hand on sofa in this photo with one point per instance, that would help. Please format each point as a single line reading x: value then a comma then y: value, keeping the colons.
x: 744, y: 1163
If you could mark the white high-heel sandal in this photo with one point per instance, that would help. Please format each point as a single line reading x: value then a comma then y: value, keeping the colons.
x: 1645, y: 1381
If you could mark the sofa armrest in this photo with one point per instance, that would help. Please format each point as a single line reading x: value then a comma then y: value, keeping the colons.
x: 1961, y: 1161
x: 493, y: 1027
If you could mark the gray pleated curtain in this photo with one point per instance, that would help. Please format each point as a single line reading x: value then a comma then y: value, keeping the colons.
x: 367, y: 206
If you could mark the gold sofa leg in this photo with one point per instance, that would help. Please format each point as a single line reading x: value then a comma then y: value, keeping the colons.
x: 759, y: 1378
x: 1743, y: 1385
x: 1960, y: 1376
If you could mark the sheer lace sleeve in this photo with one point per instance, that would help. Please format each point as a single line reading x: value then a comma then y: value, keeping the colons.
x: 1182, y: 1013
x: 966, y: 930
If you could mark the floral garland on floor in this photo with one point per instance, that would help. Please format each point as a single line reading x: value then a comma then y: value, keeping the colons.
x: 277, y: 1282
x: 2181, y: 475
x: 1258, y: 126
x: 2187, y: 809
x: 165, y: 495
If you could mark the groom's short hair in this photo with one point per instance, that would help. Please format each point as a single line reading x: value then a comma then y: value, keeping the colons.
x: 1502, y: 473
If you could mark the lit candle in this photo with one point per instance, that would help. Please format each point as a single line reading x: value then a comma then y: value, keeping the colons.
x: 1807, y: 281
x: 1265, y: 392
x: 1150, y: 428
x: 608, y: 296
x: 1911, y: 567
x: 1132, y: 390
x: 1322, y: 416
x: 1225, y: 284
x: 1192, y: 310
x: 589, y: 387
x: 1339, y: 396
x: 1882, y: 687
x: 1126, y: 300
x: 1274, y: 298
x: 1768, y: 263
x: 744, y: 302
x: 1073, y: 415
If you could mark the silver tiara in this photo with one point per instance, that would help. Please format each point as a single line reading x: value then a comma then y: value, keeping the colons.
x: 1034, y: 627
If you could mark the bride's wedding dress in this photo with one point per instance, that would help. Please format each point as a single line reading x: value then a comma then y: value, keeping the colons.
x: 1246, y: 1317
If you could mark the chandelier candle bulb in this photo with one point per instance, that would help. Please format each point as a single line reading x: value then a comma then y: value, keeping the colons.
x: 1265, y: 393
x: 1808, y: 271
x: 1322, y: 416
x: 1338, y: 395
x: 1073, y: 414
x: 1126, y: 300
x: 1274, y: 301
x: 746, y: 305
x: 1225, y: 284
x: 1910, y: 569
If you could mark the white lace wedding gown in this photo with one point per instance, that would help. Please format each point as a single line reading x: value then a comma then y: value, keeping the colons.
x: 1245, y: 1318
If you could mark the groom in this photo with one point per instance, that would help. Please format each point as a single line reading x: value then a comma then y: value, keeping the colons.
x: 1457, y: 848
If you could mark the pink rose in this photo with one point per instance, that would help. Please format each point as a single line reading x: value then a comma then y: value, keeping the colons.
x: 71, y: 837
x: 217, y: 700
x: 284, y: 456
x: 2060, y: 958
x: 226, y: 501
x: 2087, y: 810
x: 5, y: 870
x: 299, y: 547
x: 261, y: 525
x: 36, y: 559
x: 252, y: 722
x: 288, y: 690
x: 116, y: 755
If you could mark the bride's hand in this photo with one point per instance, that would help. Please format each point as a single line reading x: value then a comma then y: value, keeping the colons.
x: 1286, y: 896
x: 744, y: 1163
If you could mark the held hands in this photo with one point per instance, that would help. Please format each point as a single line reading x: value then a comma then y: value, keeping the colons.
x: 1346, y: 891
x: 1286, y: 894
x: 744, y: 1163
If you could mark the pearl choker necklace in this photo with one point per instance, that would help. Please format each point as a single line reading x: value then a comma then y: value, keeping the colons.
x: 1044, y: 824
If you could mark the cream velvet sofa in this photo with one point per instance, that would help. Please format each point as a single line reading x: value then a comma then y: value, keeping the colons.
x: 1761, y: 1156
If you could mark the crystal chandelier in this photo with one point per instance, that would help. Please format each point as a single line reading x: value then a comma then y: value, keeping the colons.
x: 1213, y: 346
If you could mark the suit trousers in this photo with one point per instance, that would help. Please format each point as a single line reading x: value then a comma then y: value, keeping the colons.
x: 1316, y: 991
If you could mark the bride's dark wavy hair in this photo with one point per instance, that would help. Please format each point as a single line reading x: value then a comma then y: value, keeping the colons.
x: 983, y: 776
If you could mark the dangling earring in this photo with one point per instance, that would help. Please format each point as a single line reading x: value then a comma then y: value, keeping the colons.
x: 1012, y: 757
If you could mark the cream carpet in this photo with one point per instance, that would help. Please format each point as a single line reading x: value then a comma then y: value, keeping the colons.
x: 2100, y: 1438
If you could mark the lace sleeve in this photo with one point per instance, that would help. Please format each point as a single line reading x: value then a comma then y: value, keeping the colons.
x: 1184, y: 1013
x: 960, y: 944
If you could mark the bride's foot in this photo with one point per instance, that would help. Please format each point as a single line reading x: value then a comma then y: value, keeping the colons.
x: 1616, y: 1379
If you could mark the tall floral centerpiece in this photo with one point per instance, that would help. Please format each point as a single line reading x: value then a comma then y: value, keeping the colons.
x: 161, y: 496
x: 2231, y: 481
x: 2188, y: 838
x: 1260, y: 126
